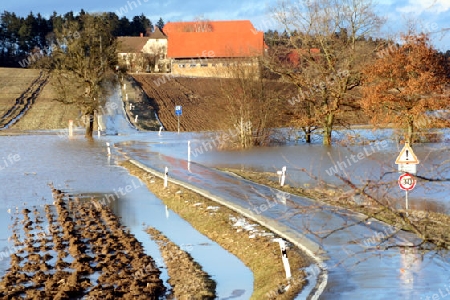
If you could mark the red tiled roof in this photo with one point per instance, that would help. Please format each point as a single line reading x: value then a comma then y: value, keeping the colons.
x: 294, y: 56
x: 218, y: 38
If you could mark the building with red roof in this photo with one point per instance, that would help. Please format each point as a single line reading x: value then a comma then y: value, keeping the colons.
x: 207, y: 48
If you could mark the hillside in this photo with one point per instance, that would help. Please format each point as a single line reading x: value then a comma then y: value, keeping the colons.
x: 200, y: 99
x: 203, y: 100
x: 30, y: 92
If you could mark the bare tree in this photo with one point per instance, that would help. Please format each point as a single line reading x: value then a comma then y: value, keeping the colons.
x: 253, y: 105
x: 326, y: 42
x: 83, y: 62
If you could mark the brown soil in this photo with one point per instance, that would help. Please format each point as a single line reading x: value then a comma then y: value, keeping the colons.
x: 187, y: 278
x: 84, y: 253
x: 204, y: 102
x: 200, y: 98
x: 261, y: 254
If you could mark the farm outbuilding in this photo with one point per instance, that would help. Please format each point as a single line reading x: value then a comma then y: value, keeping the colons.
x: 209, y: 48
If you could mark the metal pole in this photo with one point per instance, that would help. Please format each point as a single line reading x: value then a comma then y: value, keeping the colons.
x: 406, y: 200
x: 178, y: 124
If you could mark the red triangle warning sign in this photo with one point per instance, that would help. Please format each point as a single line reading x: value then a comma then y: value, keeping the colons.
x: 407, y: 156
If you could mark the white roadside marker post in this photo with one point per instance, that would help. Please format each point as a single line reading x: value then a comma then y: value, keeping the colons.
x: 189, y: 156
x: 70, y: 128
x: 160, y: 128
x: 189, y: 151
x: 136, y: 118
x: 284, y: 258
x: 282, y: 176
x: 109, y: 149
x: 166, y: 174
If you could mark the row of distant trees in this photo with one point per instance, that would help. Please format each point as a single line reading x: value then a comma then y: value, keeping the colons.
x: 20, y: 36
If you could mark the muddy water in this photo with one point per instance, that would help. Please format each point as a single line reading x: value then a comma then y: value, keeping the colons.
x: 29, y: 163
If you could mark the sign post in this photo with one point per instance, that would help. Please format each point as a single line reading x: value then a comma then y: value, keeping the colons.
x: 407, y: 162
x: 178, y: 113
x: 406, y: 182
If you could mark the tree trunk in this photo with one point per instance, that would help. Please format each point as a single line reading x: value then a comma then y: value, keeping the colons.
x: 328, y: 129
x: 307, y: 130
x: 410, y: 131
x: 89, y: 127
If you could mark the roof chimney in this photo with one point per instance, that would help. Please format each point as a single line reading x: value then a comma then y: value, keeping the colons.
x: 142, y: 34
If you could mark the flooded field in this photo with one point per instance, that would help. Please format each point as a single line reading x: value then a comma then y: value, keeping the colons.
x: 81, y: 167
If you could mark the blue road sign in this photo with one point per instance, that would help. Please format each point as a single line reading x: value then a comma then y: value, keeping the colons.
x: 178, y: 110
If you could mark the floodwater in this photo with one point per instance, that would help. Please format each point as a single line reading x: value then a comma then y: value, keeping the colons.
x: 309, y: 164
x: 357, y: 268
x: 78, y: 166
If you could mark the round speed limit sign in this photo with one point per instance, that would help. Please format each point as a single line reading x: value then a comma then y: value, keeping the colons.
x: 406, y: 182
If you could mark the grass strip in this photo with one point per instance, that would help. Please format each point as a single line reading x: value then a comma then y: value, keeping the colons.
x: 260, y: 254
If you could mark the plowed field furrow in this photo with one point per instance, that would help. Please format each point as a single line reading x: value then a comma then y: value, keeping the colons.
x: 201, y: 111
x: 24, y: 102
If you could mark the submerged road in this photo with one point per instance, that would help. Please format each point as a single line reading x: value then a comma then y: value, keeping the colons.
x: 356, y: 267
x: 355, y: 264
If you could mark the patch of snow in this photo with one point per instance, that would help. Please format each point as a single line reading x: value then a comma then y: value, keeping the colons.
x: 214, y: 208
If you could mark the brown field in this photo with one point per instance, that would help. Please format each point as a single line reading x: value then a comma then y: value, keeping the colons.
x: 200, y: 98
x: 85, y: 252
x: 13, y: 82
x: 20, y: 88
x: 203, y: 102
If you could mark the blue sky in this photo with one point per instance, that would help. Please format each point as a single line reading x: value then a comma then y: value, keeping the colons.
x: 432, y: 15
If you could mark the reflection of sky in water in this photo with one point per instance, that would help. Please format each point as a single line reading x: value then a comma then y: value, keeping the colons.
x: 357, y: 163
x: 79, y: 166
x: 355, y: 271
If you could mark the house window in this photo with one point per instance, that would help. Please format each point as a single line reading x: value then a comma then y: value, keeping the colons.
x: 181, y: 66
x: 192, y: 65
x: 203, y: 65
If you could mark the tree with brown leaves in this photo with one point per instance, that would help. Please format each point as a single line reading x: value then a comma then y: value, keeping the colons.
x: 406, y: 84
